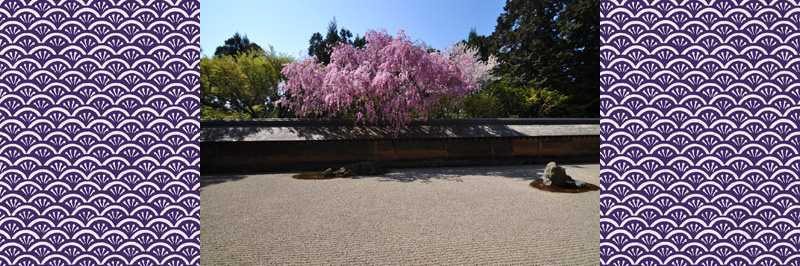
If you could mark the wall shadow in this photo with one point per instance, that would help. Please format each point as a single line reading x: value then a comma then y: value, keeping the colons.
x: 408, y: 132
x: 426, y: 175
x: 255, y: 131
x: 212, y: 134
x: 207, y: 180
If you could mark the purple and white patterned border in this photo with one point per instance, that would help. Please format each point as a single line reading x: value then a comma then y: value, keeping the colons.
x: 99, y: 132
x: 699, y: 155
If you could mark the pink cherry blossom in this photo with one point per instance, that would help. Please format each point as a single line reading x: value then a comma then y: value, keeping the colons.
x: 390, y: 80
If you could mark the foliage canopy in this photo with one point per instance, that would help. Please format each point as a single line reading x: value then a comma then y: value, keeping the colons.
x: 551, y: 48
x: 243, y: 85
x: 545, y: 52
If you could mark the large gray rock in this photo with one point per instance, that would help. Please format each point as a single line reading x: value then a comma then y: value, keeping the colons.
x: 555, y: 175
x: 362, y: 168
x: 328, y: 173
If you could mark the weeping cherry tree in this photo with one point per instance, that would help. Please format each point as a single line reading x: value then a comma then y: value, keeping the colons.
x: 391, y: 80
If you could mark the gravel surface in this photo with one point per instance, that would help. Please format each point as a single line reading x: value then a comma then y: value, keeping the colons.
x: 424, y: 216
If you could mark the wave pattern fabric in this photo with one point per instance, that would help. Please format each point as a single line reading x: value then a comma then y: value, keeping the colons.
x: 99, y: 132
x: 700, y: 138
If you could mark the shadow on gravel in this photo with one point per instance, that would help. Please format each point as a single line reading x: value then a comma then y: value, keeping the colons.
x: 425, y: 175
x: 214, y: 179
x: 412, y: 131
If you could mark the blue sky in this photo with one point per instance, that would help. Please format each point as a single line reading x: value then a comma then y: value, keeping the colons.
x: 288, y: 24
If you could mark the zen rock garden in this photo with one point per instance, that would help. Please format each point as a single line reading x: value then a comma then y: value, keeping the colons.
x: 434, y: 215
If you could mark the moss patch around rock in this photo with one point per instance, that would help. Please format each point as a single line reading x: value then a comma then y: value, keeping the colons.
x: 541, y: 186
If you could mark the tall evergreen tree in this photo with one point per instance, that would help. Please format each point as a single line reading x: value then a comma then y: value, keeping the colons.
x: 479, y: 42
x: 320, y: 47
x: 236, y: 45
x: 552, y: 46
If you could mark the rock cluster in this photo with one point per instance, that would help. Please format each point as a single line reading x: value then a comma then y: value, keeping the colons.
x: 555, y: 175
x: 362, y: 168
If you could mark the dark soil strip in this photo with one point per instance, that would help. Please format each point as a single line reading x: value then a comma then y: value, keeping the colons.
x: 317, y: 175
x: 540, y: 185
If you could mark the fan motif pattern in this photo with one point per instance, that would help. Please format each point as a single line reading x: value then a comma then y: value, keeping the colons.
x: 99, y: 151
x: 699, y: 135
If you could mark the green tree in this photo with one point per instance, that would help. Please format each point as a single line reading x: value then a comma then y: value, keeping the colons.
x: 359, y: 41
x: 236, y: 45
x: 322, y: 47
x: 550, y: 47
x: 580, y: 25
x: 242, y: 87
x: 478, y: 41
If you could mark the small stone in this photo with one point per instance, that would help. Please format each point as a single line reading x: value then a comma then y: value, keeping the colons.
x: 328, y: 173
x: 580, y: 184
